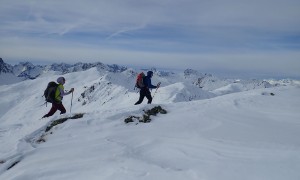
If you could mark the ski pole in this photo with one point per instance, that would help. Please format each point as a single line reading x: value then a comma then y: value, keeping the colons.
x: 156, y: 90
x: 71, y: 102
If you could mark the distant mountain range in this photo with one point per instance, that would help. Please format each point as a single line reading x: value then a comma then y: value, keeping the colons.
x: 27, y: 70
x: 192, y: 80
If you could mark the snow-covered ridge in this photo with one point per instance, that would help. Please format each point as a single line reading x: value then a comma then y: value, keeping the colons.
x: 215, y: 128
x: 247, y: 135
x: 103, y: 83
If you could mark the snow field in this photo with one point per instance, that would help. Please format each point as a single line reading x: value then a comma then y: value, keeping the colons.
x: 243, y: 135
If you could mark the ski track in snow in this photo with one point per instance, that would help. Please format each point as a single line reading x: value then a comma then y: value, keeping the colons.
x: 226, y: 133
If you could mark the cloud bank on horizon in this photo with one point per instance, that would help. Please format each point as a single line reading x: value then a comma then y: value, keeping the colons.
x: 259, y: 36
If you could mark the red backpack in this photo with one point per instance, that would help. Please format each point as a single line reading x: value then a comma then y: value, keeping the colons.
x: 140, y: 80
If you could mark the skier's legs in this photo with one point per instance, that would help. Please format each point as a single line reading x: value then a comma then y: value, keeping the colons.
x: 142, y: 96
x: 61, y: 108
x: 52, y: 110
x: 148, y: 96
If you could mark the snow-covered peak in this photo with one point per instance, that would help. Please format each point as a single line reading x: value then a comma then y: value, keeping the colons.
x: 5, y: 68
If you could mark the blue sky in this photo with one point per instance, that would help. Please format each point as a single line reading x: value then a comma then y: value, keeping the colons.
x: 234, y: 36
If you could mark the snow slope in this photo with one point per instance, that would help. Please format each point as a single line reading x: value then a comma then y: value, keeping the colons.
x: 245, y: 135
x: 9, y: 79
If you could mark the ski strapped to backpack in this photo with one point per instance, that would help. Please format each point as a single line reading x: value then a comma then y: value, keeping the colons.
x: 140, y: 80
x: 49, y: 92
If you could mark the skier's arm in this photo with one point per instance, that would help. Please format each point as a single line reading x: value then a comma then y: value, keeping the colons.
x: 62, y: 93
x: 150, y: 85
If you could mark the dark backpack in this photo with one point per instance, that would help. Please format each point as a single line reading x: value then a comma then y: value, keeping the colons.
x: 140, y: 80
x: 49, y: 92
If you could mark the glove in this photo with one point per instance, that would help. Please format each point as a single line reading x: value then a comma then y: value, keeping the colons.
x: 71, y: 90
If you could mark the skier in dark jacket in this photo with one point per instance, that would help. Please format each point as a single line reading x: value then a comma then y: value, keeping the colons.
x: 145, y: 90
